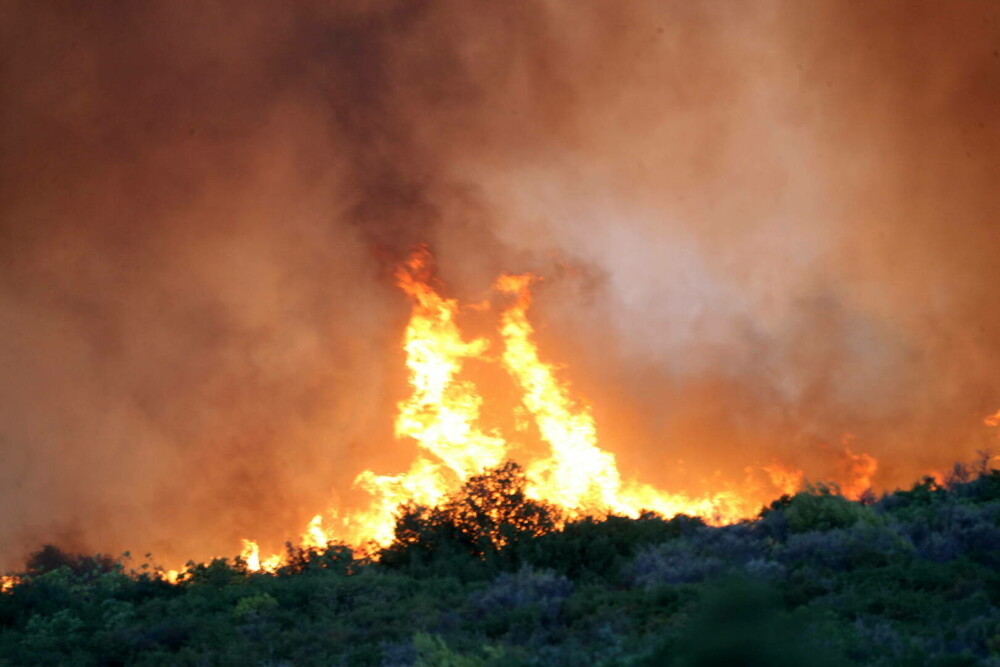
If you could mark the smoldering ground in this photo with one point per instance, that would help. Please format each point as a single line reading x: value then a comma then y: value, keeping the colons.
x: 765, y: 226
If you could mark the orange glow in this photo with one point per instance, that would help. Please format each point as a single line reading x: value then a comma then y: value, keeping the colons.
x: 787, y: 480
x: 993, y: 419
x: 579, y: 476
x: 251, y: 556
x: 861, y: 468
x: 315, y: 537
x: 8, y: 581
x: 441, y: 417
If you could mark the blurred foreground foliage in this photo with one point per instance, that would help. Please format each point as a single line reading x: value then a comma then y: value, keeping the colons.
x: 491, y: 577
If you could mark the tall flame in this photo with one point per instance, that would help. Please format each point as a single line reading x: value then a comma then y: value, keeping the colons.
x: 441, y: 416
x: 579, y: 476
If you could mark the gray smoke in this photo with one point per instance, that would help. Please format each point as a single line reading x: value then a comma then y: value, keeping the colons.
x: 763, y: 227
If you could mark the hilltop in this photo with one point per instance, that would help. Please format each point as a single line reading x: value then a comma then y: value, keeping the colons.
x: 493, y: 578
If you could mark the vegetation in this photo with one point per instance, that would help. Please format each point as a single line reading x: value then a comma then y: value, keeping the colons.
x: 493, y: 578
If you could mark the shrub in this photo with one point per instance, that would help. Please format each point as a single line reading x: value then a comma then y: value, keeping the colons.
x: 862, y: 544
x: 597, y: 547
x: 486, y: 519
x: 823, y: 508
x: 542, y: 589
x: 744, y: 623
x: 672, y: 563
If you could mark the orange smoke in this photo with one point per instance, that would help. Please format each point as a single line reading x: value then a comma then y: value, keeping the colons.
x: 860, y: 470
x: 442, y: 414
x: 787, y: 480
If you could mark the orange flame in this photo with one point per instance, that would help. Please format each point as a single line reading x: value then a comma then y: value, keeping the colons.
x: 579, y: 476
x: 441, y: 416
x: 992, y: 420
x: 251, y: 556
x: 861, y: 469
x: 787, y: 480
x: 8, y: 581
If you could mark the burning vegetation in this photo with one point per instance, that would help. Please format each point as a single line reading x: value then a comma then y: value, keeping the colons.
x: 513, y: 315
x: 491, y: 577
x: 442, y: 417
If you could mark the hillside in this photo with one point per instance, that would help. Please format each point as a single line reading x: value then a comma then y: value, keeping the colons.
x: 492, y: 578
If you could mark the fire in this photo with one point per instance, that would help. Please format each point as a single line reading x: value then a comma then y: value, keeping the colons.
x: 993, y: 420
x: 579, y: 476
x: 251, y: 556
x: 861, y: 469
x: 442, y: 413
x: 8, y: 581
x: 787, y: 480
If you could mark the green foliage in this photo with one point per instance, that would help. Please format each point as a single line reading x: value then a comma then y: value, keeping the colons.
x: 597, y: 548
x: 487, y: 519
x: 254, y: 606
x: 50, y: 558
x: 335, y: 558
x: 486, y: 579
x: 433, y: 651
x: 823, y: 508
x: 742, y: 622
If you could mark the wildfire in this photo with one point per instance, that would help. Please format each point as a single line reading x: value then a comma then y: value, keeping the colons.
x: 8, y: 581
x: 441, y: 416
x: 993, y: 420
x: 579, y: 476
x: 787, y: 480
x: 861, y: 469
x: 251, y: 556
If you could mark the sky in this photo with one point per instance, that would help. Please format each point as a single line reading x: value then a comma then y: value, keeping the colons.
x: 767, y: 232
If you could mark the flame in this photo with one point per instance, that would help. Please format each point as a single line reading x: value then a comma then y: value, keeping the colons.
x: 8, y: 581
x: 441, y: 417
x: 441, y: 413
x: 787, y: 480
x: 579, y: 476
x: 993, y: 419
x: 315, y: 537
x: 861, y: 469
x: 251, y: 556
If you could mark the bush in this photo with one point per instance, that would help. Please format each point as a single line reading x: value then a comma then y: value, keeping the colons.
x: 744, y: 623
x: 487, y: 519
x: 860, y: 545
x: 823, y: 508
x: 597, y: 548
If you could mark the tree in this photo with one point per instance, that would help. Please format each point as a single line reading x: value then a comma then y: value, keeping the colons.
x: 488, y: 516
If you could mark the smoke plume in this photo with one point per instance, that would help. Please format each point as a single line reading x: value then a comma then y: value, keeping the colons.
x: 769, y: 232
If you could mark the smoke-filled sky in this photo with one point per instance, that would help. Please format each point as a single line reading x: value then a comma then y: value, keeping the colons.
x: 766, y: 230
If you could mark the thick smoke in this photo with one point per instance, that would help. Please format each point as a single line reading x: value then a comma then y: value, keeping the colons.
x: 768, y: 229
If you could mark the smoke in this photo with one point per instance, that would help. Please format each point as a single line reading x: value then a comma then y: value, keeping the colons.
x: 763, y: 228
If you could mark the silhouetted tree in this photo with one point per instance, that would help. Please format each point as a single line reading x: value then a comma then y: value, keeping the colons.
x: 487, y: 517
x: 50, y: 558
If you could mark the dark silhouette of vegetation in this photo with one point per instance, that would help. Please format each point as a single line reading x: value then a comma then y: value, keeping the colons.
x: 488, y: 520
x: 491, y: 577
x: 50, y: 558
